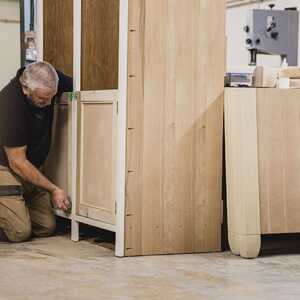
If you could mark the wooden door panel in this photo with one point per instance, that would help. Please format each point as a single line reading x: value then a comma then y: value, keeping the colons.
x: 58, y: 34
x: 176, y: 58
x: 96, y: 155
x: 278, y: 113
x: 100, y: 44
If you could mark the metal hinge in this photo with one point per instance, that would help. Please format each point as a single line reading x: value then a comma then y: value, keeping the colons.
x: 117, y: 107
x: 115, y: 207
x: 73, y: 96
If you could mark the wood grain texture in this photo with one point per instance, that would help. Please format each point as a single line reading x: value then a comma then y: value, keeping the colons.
x: 279, y: 159
x: 243, y: 200
x: 58, y: 34
x: 135, y: 113
x: 175, y: 114
x: 96, y: 155
x: 100, y: 44
x: 56, y: 166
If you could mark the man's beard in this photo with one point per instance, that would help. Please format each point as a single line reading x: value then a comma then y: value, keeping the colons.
x: 35, y: 104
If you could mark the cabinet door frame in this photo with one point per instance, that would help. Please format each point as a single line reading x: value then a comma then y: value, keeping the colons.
x: 99, y: 98
x: 121, y: 118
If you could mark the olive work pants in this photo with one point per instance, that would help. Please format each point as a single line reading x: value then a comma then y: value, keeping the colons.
x: 22, y: 216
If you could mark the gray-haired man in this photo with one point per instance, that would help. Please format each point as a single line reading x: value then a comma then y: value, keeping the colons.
x: 26, y: 115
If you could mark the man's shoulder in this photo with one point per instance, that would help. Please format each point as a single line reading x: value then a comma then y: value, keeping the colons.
x: 65, y: 83
x: 9, y: 93
x: 14, y: 85
x: 62, y: 75
x: 11, y: 96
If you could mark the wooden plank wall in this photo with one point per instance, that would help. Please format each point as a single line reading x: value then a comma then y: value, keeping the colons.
x: 279, y: 159
x: 58, y: 34
x: 100, y: 44
x: 175, y: 115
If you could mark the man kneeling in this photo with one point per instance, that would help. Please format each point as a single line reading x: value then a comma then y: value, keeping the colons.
x: 26, y: 116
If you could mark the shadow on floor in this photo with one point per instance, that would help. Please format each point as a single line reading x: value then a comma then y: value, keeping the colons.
x: 88, y: 233
x: 279, y: 244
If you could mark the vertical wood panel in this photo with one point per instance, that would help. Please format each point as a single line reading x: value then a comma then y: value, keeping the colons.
x: 135, y: 113
x: 58, y: 34
x: 279, y: 159
x: 100, y: 41
x: 175, y: 109
x: 56, y: 166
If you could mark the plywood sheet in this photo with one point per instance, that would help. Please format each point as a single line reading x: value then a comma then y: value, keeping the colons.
x: 175, y: 116
x: 58, y: 34
x: 278, y: 112
x: 100, y: 41
x: 56, y: 166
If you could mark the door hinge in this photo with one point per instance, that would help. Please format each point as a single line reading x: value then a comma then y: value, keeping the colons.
x: 117, y: 107
x: 73, y: 96
x: 115, y: 208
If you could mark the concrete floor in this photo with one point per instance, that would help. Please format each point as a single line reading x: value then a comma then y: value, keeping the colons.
x: 56, y: 268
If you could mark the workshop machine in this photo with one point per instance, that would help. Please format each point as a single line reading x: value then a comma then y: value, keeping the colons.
x: 274, y: 32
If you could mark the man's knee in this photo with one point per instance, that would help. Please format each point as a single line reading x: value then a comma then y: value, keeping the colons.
x: 46, y: 227
x: 19, y: 232
x: 50, y: 226
x: 14, y: 219
x: 41, y: 213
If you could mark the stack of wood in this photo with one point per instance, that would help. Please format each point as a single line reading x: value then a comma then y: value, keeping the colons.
x: 294, y: 74
x: 265, y: 77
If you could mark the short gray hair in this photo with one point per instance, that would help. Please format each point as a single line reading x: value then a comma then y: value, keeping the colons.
x: 40, y: 75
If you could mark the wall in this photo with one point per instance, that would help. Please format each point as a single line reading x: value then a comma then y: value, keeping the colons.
x: 9, y: 41
x: 237, y: 55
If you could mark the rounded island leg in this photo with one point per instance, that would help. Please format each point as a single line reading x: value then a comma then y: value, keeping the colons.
x: 250, y: 245
x: 234, y: 243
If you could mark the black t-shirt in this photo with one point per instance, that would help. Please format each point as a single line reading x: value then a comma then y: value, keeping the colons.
x: 22, y: 124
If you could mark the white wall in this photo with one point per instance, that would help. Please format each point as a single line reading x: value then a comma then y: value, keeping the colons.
x: 9, y: 41
x: 237, y: 54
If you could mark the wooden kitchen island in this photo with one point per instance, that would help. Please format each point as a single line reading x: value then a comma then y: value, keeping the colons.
x: 138, y: 145
x: 262, y: 136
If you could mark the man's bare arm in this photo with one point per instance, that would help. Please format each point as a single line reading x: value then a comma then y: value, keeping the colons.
x: 27, y: 171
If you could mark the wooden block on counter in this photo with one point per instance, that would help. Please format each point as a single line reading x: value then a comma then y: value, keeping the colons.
x: 295, y: 83
x: 265, y: 77
x: 290, y: 72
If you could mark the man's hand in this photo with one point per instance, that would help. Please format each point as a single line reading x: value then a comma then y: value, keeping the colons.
x: 60, y: 199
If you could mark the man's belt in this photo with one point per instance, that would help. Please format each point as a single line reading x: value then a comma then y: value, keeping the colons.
x: 11, y: 190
